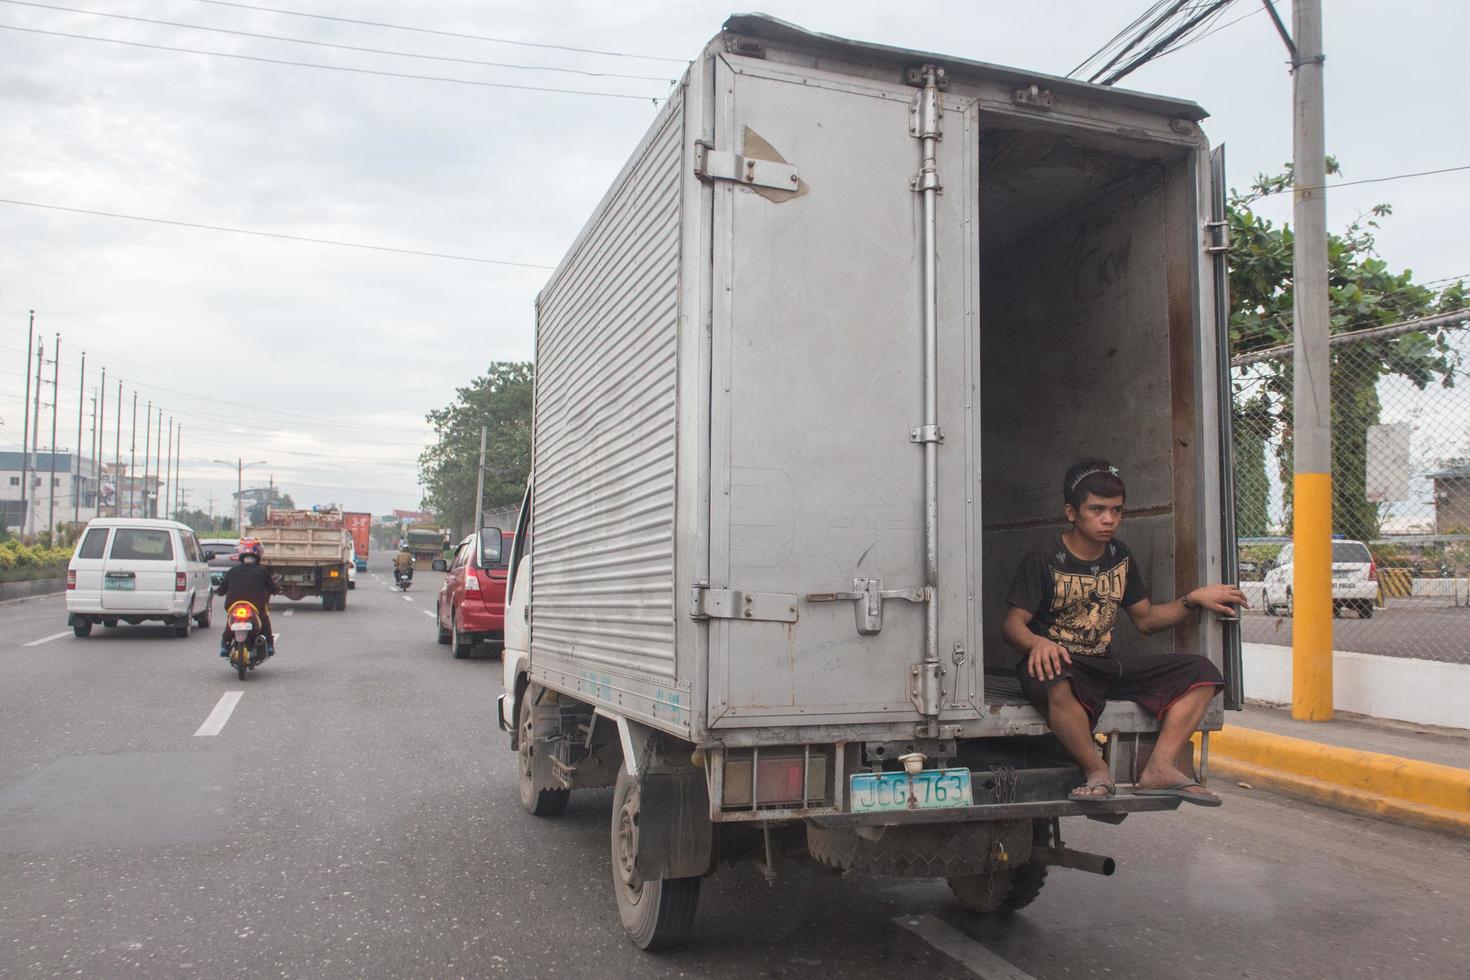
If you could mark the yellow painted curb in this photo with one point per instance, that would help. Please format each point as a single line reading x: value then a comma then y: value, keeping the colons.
x: 1422, y: 793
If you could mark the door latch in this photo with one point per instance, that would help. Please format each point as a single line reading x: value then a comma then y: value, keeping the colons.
x: 869, y: 595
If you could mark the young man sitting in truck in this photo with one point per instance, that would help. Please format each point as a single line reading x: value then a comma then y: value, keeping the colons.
x: 1063, y: 604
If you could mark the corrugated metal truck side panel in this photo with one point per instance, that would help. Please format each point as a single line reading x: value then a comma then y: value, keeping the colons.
x: 603, y: 592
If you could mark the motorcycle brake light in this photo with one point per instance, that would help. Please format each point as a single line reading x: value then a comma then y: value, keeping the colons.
x: 240, y: 612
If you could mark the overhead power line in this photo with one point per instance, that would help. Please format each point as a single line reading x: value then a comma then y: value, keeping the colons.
x: 274, y: 234
x: 339, y: 47
x: 342, y: 68
x: 1367, y: 180
x: 441, y: 33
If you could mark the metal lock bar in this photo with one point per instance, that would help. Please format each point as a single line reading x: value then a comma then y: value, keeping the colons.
x: 770, y: 607
x: 712, y: 164
x: 869, y: 595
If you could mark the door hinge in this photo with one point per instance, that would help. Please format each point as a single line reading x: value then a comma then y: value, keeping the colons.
x: 1219, y: 232
x: 869, y: 595
x: 711, y: 164
x: 768, y: 607
x: 926, y: 687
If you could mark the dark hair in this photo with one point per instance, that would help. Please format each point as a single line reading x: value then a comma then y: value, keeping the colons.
x: 1092, y: 475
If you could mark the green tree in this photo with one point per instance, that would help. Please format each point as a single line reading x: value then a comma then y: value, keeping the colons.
x: 255, y: 513
x: 500, y: 399
x: 1362, y: 293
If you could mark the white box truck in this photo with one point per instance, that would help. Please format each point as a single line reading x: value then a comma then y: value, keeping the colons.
x: 805, y: 387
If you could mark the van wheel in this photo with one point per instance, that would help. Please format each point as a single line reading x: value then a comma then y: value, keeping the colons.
x: 1010, y: 890
x: 540, y: 794
x: 1365, y: 609
x: 205, y: 618
x: 656, y: 913
x: 182, y: 627
x: 1290, y: 604
x: 110, y: 623
x: 461, y: 646
x: 82, y: 628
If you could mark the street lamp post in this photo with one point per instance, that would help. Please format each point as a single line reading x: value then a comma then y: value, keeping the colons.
x: 240, y: 466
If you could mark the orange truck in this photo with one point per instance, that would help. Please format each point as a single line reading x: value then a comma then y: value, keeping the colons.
x: 359, y: 524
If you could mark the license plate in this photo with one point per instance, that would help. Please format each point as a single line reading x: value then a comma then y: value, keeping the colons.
x: 120, y: 584
x: 931, y: 789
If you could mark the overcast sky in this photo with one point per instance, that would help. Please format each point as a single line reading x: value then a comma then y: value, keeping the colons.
x: 344, y: 350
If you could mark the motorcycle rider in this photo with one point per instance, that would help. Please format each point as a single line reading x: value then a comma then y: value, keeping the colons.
x: 251, y: 582
x: 403, y: 565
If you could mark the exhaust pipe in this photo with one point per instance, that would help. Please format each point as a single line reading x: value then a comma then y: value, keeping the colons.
x: 1065, y: 857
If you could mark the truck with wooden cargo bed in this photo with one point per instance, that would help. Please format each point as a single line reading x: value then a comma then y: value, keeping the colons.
x: 309, y: 551
x: 805, y: 386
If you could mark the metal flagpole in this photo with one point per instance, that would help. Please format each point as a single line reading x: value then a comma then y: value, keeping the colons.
x: 101, y: 427
x: 32, y: 521
x: 147, y: 451
x: 158, y: 501
x: 133, y: 453
x: 168, y: 500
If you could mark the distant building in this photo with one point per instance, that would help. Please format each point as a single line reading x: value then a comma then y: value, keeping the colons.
x: 75, y: 482
x: 1452, y: 500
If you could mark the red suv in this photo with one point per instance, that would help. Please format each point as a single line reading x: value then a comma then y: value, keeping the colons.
x: 472, y: 601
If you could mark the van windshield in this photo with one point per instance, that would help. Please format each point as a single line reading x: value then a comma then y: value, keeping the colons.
x: 142, y: 544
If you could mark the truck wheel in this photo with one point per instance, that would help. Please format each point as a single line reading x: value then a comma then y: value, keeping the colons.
x: 461, y: 645
x: 82, y: 628
x: 540, y: 794
x: 656, y: 914
x: 341, y: 601
x: 1010, y: 890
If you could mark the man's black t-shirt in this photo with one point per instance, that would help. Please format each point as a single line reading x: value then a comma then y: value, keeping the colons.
x: 251, y: 582
x: 1073, y: 602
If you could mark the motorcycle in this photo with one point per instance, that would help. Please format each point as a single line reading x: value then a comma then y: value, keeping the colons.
x: 248, y: 647
x: 402, y: 579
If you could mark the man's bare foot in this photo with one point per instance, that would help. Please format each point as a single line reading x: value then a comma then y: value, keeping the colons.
x: 1162, y: 780
x: 1099, y: 787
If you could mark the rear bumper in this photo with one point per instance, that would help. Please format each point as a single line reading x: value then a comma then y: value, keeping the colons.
x: 474, y: 618
x: 89, y: 604
x: 1117, y: 806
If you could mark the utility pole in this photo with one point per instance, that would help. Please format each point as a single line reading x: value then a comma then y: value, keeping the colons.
x: 33, y: 523
x: 76, y: 480
x: 117, y: 459
x: 147, y: 451
x: 480, y: 486
x: 55, y: 404
x: 178, y: 461
x: 25, y: 439
x: 158, y: 500
x: 96, y: 445
x: 170, y: 482
x: 101, y: 426
x: 1311, y: 586
x: 133, y: 453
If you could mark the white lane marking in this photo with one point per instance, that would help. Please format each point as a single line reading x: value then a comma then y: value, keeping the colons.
x: 47, y: 639
x: 288, y: 612
x: 426, y: 612
x: 215, y: 723
x: 960, y: 947
x: 408, y: 598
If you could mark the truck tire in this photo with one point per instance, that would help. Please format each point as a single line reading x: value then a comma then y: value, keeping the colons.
x: 656, y: 914
x: 1010, y: 890
x: 327, y: 603
x: 540, y: 794
x: 341, y: 601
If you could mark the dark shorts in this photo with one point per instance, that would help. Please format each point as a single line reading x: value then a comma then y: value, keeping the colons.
x: 1154, y: 680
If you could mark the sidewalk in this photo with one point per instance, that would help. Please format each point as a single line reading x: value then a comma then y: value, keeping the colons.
x: 1416, y: 774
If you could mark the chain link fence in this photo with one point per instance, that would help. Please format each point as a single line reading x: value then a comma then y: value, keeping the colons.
x: 1401, y: 490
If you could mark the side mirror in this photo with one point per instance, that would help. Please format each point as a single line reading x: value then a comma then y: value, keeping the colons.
x: 490, y: 540
x: 440, y: 565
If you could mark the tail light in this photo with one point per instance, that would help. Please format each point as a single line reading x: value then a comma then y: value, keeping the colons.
x: 472, y: 581
x: 181, y: 581
x: 1372, y: 570
x: 240, y: 611
x: 71, y: 578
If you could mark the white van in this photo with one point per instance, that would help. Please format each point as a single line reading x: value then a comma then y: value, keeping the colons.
x: 136, y: 570
x: 1354, y: 579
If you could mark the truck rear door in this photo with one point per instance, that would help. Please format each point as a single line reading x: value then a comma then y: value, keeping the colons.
x: 817, y: 480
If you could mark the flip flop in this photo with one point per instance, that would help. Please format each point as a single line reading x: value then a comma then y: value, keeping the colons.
x: 1181, y: 791
x: 1085, y: 794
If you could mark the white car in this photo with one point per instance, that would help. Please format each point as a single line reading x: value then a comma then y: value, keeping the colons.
x: 352, y: 570
x: 137, y: 570
x: 1354, y: 579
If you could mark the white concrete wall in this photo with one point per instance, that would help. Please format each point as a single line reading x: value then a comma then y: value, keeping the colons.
x: 1423, y: 691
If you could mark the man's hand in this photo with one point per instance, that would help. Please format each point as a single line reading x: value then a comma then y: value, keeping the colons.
x: 1217, y: 598
x: 1046, y: 658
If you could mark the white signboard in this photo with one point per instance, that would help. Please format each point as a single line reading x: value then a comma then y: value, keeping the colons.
x: 1388, y: 462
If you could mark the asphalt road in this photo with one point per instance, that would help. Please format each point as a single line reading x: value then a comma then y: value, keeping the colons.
x: 356, y: 816
x: 1425, y: 629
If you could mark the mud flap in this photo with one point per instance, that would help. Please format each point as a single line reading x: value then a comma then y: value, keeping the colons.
x: 675, y: 834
